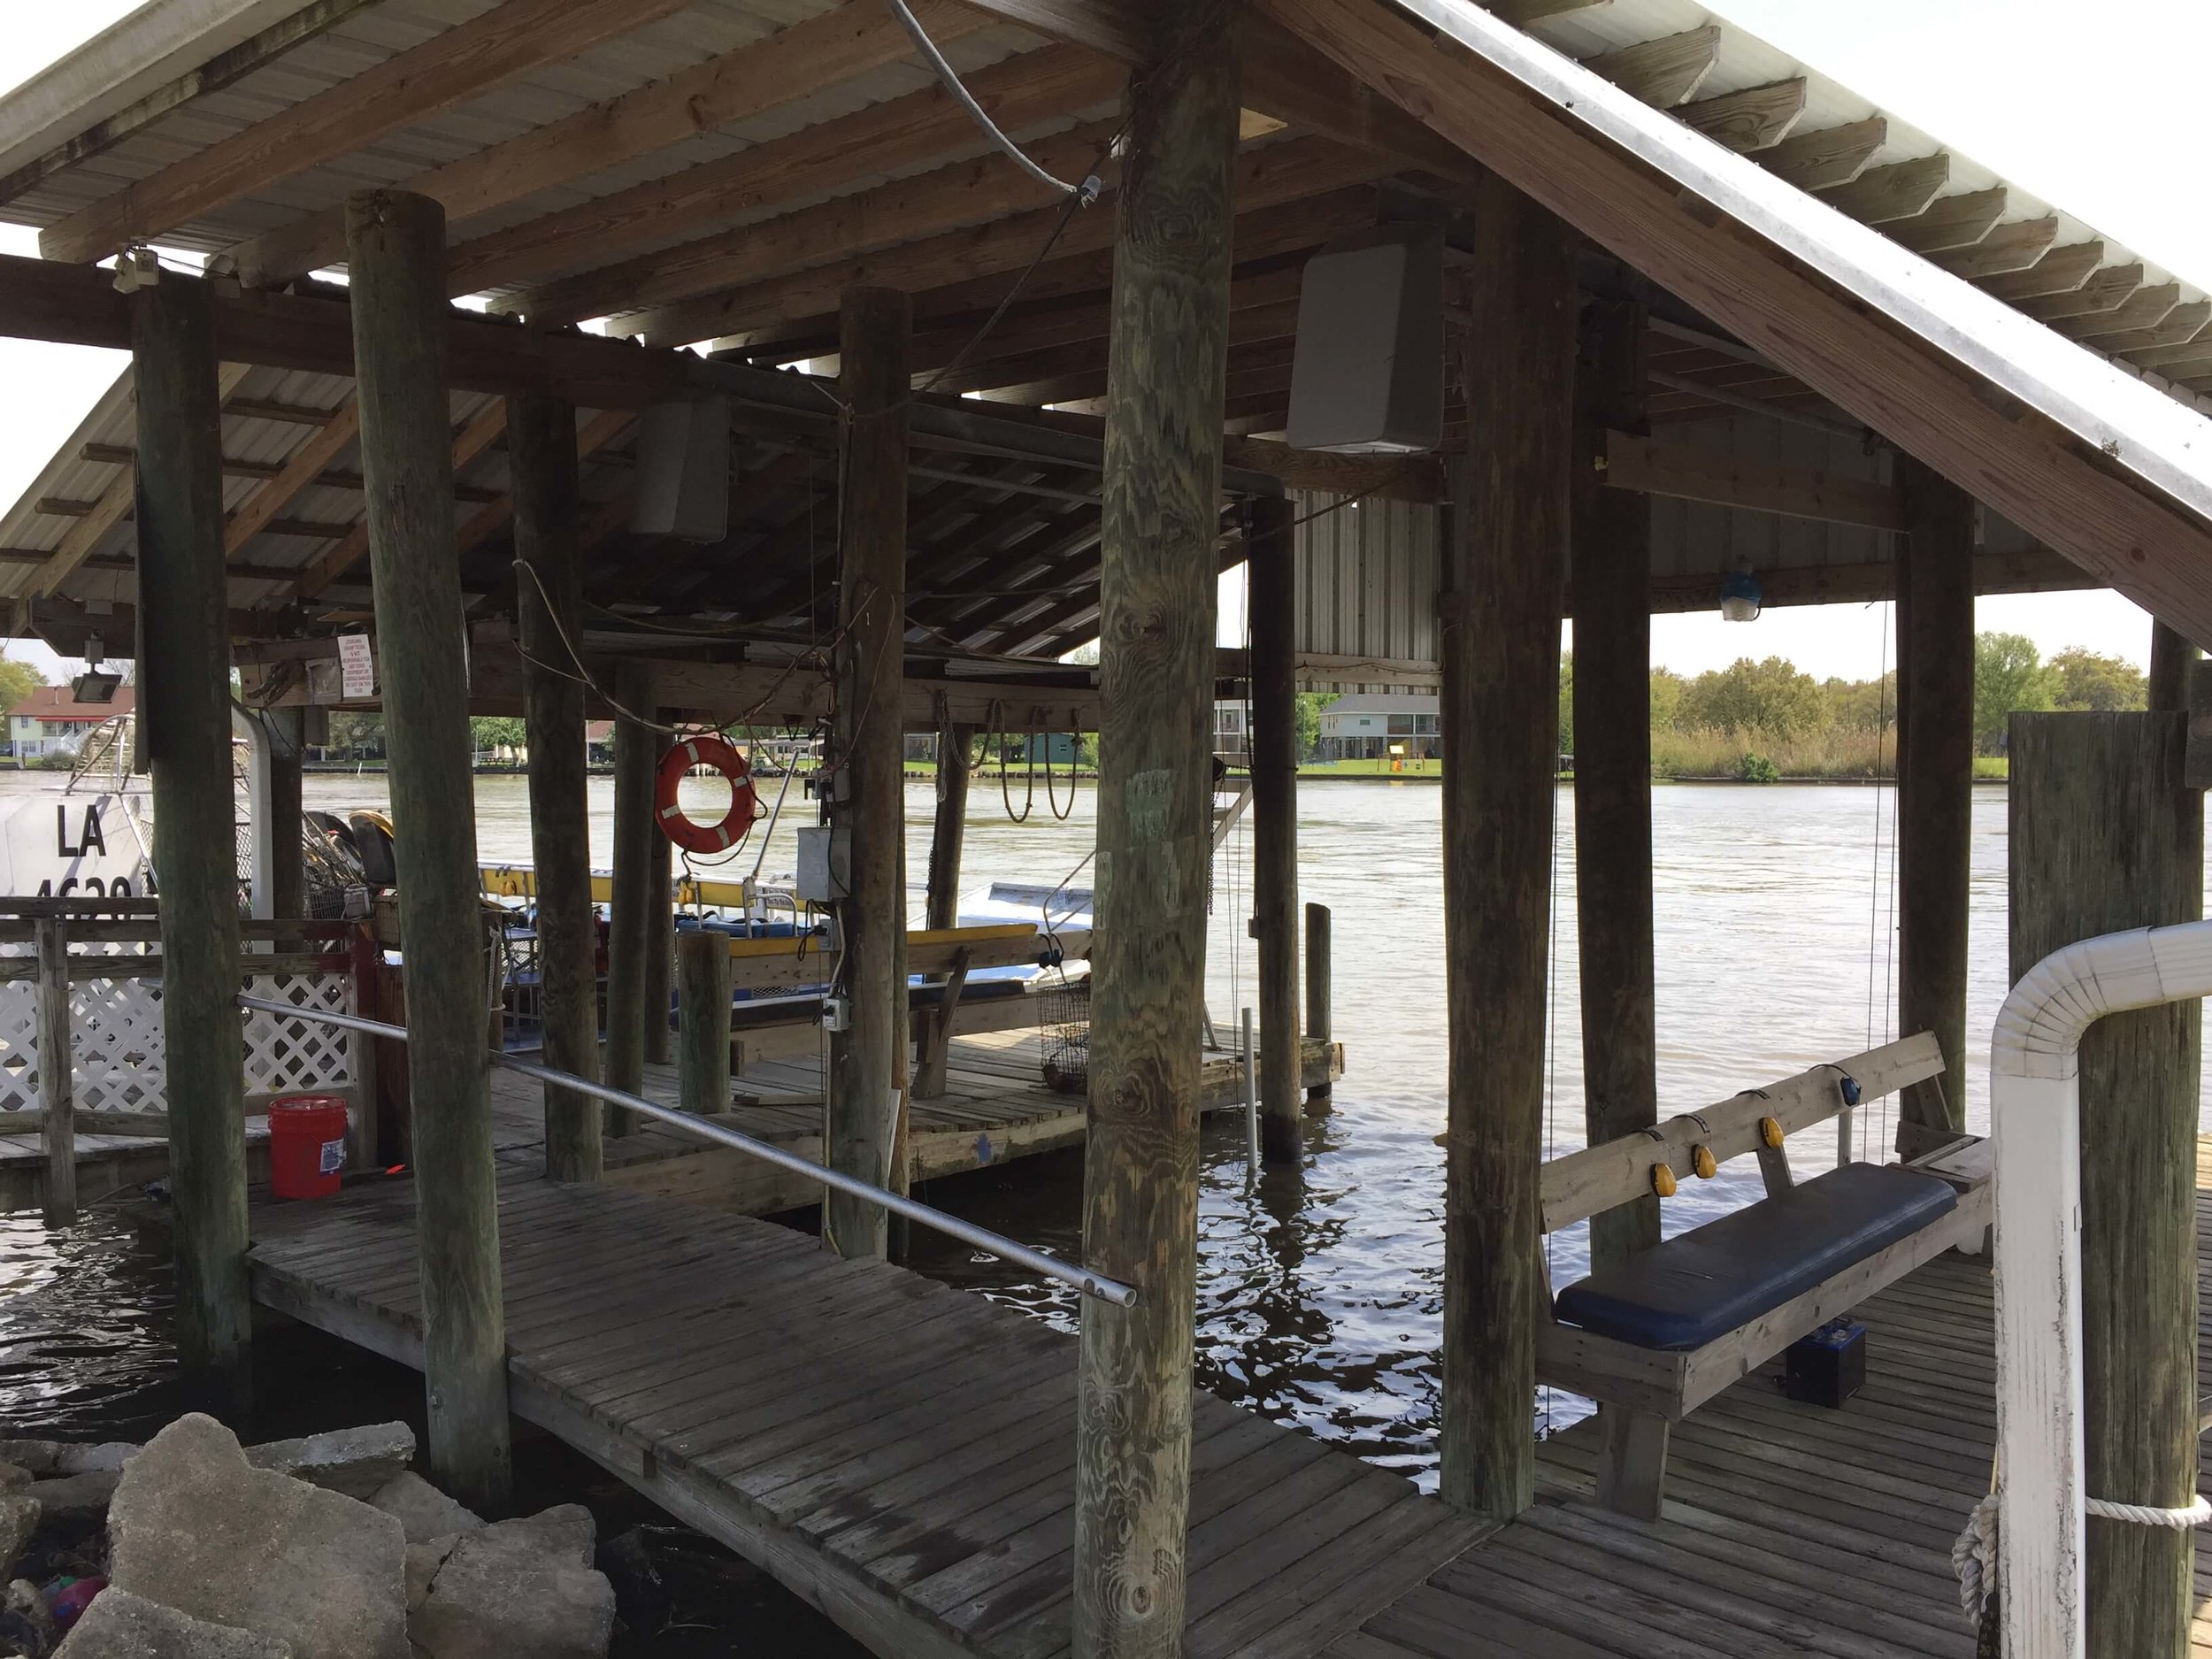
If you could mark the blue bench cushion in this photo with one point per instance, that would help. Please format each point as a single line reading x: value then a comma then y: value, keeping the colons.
x: 1702, y: 1284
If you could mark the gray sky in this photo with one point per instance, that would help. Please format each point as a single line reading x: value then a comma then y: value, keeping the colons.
x: 2098, y: 119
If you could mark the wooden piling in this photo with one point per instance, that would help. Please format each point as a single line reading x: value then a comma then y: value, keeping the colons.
x: 1160, y: 518
x: 184, y: 734
x: 57, y: 1074
x: 549, y: 600
x: 1935, y: 802
x: 866, y: 762
x: 948, y: 832
x: 1612, y: 754
x: 288, y: 860
x: 703, y: 978
x: 660, y: 950
x: 2173, y: 657
x: 629, y: 923
x: 2104, y: 837
x: 394, y: 252
x: 1272, y: 568
x: 1503, y: 587
x: 1318, y: 989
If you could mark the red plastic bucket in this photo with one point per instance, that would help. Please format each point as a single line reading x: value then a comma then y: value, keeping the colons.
x: 307, y: 1144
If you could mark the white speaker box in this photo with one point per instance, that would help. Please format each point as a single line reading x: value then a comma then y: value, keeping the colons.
x: 1367, y: 374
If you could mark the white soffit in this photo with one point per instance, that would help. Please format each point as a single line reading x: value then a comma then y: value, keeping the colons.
x: 140, y: 52
x: 2139, y: 426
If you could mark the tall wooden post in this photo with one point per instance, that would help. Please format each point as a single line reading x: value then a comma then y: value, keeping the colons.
x: 1166, y: 368
x: 949, y: 830
x: 1935, y: 804
x: 629, y: 925
x: 288, y: 862
x: 548, y: 594
x: 396, y: 254
x: 704, y: 976
x: 2105, y: 837
x: 868, y: 798
x: 1503, y: 587
x: 660, y: 947
x: 2173, y: 657
x: 184, y: 731
x: 1319, y: 957
x: 1612, y: 748
x: 1272, y: 568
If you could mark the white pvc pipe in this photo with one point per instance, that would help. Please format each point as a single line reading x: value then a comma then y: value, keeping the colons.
x: 2035, y: 1123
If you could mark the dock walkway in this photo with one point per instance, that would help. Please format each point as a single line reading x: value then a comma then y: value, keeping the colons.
x: 996, y: 1106
x: 902, y: 1454
x: 899, y: 1453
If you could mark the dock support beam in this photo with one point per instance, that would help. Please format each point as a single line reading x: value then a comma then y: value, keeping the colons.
x: 396, y: 252
x: 288, y: 857
x: 2173, y: 659
x: 1612, y: 750
x: 1272, y: 573
x: 948, y: 832
x: 705, y: 979
x: 1503, y: 586
x: 868, y: 1058
x: 629, y: 927
x: 549, y: 602
x: 2105, y: 837
x: 184, y: 702
x: 660, y: 945
x: 1318, y: 957
x: 1935, y: 800
x: 1166, y: 369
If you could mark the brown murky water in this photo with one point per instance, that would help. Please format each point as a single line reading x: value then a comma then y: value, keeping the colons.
x: 1318, y: 1299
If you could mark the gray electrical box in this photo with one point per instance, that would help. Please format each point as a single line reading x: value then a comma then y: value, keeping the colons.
x: 1367, y: 372
x: 681, y: 487
x: 825, y: 857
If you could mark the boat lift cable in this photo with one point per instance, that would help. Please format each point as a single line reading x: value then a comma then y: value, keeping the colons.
x: 1086, y: 192
x: 952, y: 1226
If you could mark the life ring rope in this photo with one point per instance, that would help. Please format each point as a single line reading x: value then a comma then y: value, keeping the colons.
x: 716, y: 752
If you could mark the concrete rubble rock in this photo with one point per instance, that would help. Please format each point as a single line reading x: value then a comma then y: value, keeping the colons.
x: 424, y: 1511
x: 195, y: 1527
x: 42, y: 1459
x: 357, y: 1461
x: 13, y: 1475
x: 522, y: 1589
x: 120, y: 1626
x: 75, y: 1494
x: 30, y: 1622
x: 20, y: 1513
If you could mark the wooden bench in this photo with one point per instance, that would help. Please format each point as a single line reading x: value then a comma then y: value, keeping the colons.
x: 1645, y: 1388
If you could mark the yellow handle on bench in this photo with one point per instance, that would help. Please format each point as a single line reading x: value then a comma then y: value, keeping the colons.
x: 1702, y: 1160
x: 1663, y: 1181
x: 1771, y: 1132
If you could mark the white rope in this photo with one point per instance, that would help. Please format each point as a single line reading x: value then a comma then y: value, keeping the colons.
x: 2198, y: 1514
x: 1974, y: 1558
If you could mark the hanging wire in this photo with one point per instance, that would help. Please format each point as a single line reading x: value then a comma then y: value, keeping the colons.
x: 1084, y: 193
x: 1874, y: 880
x: 1551, y: 1060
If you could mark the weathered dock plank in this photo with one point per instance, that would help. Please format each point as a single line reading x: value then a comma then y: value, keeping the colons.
x: 899, y: 1453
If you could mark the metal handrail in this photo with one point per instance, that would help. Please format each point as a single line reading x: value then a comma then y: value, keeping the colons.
x: 981, y: 1238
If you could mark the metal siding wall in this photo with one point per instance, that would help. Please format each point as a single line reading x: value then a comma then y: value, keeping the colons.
x: 1367, y: 577
x: 1691, y: 538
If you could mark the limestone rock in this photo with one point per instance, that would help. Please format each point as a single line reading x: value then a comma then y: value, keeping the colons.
x: 195, y: 1527
x: 39, y: 1456
x: 13, y: 1476
x: 75, y: 1494
x: 424, y: 1511
x: 356, y: 1462
x: 120, y: 1626
x: 20, y: 1513
x: 422, y: 1563
x: 523, y: 1589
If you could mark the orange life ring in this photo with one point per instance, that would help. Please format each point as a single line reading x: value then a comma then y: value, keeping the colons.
x: 687, y: 832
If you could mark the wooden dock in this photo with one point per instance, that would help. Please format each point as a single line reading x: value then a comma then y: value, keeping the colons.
x: 901, y: 1454
x: 996, y: 1106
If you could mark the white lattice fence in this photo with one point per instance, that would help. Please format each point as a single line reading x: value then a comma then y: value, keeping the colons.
x: 120, y: 1061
